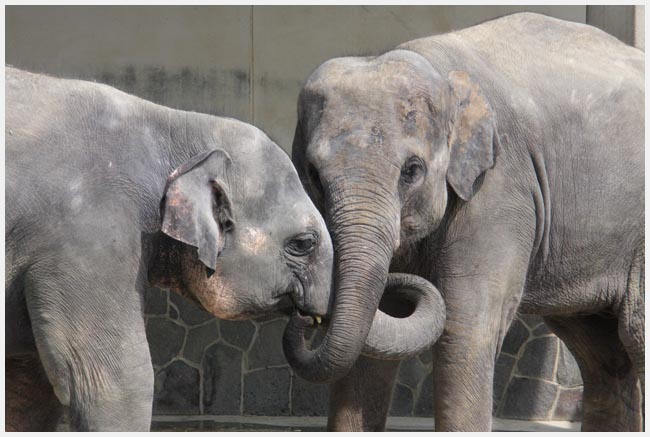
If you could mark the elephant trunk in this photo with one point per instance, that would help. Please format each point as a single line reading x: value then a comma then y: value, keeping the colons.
x: 363, y: 242
x: 397, y: 338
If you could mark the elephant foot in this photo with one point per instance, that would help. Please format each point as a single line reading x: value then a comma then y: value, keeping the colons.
x: 616, y: 407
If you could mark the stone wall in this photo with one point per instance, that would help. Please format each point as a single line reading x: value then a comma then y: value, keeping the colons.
x: 215, y: 367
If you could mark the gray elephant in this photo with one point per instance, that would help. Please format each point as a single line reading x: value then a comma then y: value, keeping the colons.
x: 504, y: 163
x: 107, y: 194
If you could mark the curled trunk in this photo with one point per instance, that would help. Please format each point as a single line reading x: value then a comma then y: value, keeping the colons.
x: 397, y: 338
x: 364, y: 234
x: 355, y: 302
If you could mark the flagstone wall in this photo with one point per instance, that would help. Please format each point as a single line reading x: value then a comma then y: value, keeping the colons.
x: 215, y: 367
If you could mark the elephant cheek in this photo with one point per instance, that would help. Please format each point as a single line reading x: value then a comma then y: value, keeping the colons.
x: 215, y: 293
x: 220, y: 299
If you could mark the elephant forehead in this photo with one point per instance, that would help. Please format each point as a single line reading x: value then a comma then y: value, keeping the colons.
x: 253, y: 239
x: 277, y: 205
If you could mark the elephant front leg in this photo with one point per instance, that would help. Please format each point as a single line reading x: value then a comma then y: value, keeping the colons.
x: 464, y: 356
x: 360, y: 401
x: 91, y: 340
x: 463, y: 376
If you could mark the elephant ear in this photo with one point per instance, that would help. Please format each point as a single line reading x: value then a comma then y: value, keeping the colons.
x: 473, y: 139
x: 195, y: 207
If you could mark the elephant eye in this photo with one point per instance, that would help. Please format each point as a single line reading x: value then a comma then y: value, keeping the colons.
x: 302, y: 244
x: 413, y: 171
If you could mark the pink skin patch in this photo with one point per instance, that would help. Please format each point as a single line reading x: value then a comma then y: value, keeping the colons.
x: 215, y: 293
x: 253, y: 240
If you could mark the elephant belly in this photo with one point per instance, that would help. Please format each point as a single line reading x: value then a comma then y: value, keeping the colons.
x: 596, y: 295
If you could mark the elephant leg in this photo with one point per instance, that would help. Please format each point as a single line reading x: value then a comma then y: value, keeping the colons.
x: 612, y: 397
x: 463, y: 373
x: 631, y: 318
x: 30, y: 403
x: 90, y: 334
x: 464, y: 357
x: 360, y: 400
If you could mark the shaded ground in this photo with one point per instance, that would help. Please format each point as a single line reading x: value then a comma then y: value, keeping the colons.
x: 263, y: 423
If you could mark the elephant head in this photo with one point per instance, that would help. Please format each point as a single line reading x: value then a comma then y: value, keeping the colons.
x: 241, y: 236
x: 382, y: 144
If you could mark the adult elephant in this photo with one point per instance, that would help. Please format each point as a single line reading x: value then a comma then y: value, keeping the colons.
x: 504, y: 163
x: 108, y: 194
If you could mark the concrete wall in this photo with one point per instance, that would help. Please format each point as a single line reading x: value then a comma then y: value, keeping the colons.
x: 246, y: 62
x: 639, y: 27
x: 249, y: 63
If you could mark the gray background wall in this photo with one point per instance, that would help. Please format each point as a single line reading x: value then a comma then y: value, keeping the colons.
x: 249, y: 62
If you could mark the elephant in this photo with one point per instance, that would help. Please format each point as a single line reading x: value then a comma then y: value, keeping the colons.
x: 108, y: 194
x: 504, y: 163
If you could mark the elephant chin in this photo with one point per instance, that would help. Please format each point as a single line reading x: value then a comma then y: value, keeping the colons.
x: 410, y: 319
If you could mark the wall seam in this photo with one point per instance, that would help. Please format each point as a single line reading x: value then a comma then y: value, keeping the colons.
x: 251, y: 83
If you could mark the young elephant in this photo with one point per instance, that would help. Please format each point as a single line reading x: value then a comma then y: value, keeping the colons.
x: 107, y: 194
x: 504, y: 163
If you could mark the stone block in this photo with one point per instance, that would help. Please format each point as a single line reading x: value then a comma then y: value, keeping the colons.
x: 529, y: 399
x: 266, y: 392
x: 515, y: 338
x: 165, y: 339
x: 568, y: 372
x: 155, y: 302
x: 530, y: 321
x: 538, y: 358
x: 222, y: 366
x: 424, y: 405
x: 569, y: 405
x: 402, y: 403
x: 190, y: 313
x: 542, y: 330
x: 267, y: 347
x: 308, y: 399
x: 237, y: 333
x: 173, y: 312
x: 198, y: 339
x: 411, y: 373
x: 426, y: 357
x: 177, y: 389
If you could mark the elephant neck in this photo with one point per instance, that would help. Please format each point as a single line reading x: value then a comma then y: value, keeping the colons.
x: 165, y: 266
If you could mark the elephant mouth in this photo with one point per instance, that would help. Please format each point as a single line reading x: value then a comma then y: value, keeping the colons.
x: 393, y: 303
x: 293, y: 297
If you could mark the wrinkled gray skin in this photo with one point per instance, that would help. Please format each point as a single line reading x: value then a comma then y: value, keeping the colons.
x: 92, y: 177
x: 504, y: 163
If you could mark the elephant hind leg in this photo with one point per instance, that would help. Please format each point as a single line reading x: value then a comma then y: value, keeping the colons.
x: 631, y: 317
x: 30, y: 403
x: 612, y: 398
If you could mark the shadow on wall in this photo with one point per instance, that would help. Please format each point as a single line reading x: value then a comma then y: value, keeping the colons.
x: 188, y: 89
